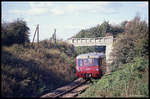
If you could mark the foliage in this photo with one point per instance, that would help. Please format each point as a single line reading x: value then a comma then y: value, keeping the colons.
x: 131, y: 81
x: 16, y: 32
x: 132, y: 43
x: 87, y: 49
x: 32, y: 70
x: 100, y: 31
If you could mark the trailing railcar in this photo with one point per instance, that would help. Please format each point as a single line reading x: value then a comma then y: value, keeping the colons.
x: 90, y: 65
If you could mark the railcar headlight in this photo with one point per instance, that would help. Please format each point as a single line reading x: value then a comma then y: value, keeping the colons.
x: 90, y: 75
x: 78, y: 69
x: 97, y: 69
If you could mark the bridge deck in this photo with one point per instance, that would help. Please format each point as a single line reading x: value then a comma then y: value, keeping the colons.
x: 101, y: 41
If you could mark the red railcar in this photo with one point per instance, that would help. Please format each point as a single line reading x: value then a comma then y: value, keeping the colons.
x: 90, y: 65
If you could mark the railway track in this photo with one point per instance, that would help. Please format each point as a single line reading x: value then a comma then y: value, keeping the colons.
x: 70, y: 90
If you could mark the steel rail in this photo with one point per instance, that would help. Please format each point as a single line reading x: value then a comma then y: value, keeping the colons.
x: 73, y: 86
x: 69, y: 90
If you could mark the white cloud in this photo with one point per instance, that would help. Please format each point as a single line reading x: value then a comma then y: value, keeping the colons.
x: 57, y: 11
x: 79, y: 7
x: 34, y: 11
x: 143, y: 4
x: 27, y: 20
x: 40, y: 4
x: 16, y: 11
x: 37, y: 11
x: 89, y: 7
x: 146, y: 3
x: 38, y: 8
x: 76, y: 8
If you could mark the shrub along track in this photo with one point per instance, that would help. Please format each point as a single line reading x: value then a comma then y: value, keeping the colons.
x: 70, y: 90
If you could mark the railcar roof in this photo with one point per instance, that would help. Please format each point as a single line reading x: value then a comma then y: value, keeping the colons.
x: 91, y: 55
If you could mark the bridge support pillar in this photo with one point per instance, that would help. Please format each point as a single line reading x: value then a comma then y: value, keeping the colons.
x: 108, y: 57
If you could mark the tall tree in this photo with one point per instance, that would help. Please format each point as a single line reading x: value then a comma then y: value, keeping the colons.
x: 15, y: 32
x: 105, y: 28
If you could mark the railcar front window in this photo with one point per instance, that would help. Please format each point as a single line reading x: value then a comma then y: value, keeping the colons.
x: 88, y: 62
x: 96, y: 62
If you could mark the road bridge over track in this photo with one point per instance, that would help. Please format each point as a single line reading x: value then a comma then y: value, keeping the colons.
x: 99, y: 41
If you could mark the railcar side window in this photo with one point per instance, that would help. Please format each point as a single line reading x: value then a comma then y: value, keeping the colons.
x: 80, y: 62
x: 95, y: 61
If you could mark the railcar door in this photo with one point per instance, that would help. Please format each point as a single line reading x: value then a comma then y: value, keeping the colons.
x: 100, y: 66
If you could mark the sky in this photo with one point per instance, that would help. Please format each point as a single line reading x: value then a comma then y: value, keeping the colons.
x: 70, y: 17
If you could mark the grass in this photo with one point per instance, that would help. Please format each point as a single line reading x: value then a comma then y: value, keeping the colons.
x: 131, y: 81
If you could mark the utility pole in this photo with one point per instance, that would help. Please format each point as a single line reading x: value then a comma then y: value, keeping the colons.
x: 38, y: 35
x: 36, y: 30
x: 55, y: 37
x: 34, y: 35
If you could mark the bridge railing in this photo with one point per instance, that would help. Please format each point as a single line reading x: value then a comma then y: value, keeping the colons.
x: 91, y: 41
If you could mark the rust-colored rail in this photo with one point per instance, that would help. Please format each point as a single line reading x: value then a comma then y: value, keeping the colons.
x: 65, y: 89
x: 75, y: 92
